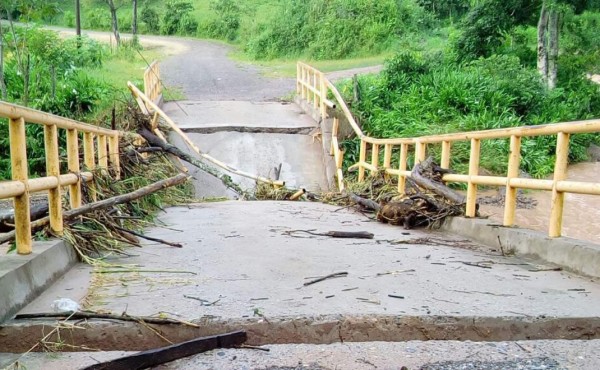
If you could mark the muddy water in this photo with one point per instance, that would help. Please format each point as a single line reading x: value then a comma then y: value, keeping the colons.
x: 581, y: 215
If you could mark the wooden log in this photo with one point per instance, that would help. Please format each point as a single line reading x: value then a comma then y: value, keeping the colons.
x: 158, y: 356
x: 367, y: 203
x: 106, y: 203
x: 7, y: 220
x: 155, y: 141
x: 436, y: 187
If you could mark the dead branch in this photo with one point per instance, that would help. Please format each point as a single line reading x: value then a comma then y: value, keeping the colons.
x: 155, y: 357
x: 330, y: 276
x: 367, y: 203
x: 335, y: 234
x: 157, y: 142
x: 419, y: 176
x: 83, y: 315
x: 7, y: 220
x: 106, y: 203
x: 139, y: 235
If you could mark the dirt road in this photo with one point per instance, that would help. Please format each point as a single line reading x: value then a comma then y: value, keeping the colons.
x: 203, y: 70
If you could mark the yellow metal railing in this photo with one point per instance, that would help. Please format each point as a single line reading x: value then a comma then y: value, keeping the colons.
x: 311, y: 88
x: 100, y: 146
x: 152, y: 82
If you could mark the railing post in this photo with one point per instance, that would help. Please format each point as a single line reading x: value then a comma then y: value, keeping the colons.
x: 157, y: 78
x: 113, y: 153
x: 89, y: 159
x: 445, y: 160
x: 473, y: 171
x: 339, y: 164
x: 303, y: 83
x: 375, y: 156
x: 298, y: 84
x: 420, y: 152
x: 334, y: 133
x: 362, y: 158
x: 73, y: 165
x: 316, y: 87
x: 102, y: 152
x: 514, y: 161
x: 560, y: 173
x: 53, y: 169
x: 402, y: 167
x: 18, y: 160
x: 323, y: 97
x: 387, y: 157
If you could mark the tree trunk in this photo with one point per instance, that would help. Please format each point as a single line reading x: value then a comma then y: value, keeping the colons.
x: 115, y: 21
x: 2, y: 81
x: 542, y: 50
x: 78, y: 17
x: 553, y: 24
x: 134, y: 23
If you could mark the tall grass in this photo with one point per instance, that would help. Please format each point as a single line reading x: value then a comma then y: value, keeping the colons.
x: 420, y: 94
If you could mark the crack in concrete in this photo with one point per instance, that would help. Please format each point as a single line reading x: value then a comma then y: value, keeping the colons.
x: 250, y: 130
x: 19, y: 336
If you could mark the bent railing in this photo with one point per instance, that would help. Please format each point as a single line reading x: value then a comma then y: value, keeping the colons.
x: 100, y: 148
x: 311, y: 89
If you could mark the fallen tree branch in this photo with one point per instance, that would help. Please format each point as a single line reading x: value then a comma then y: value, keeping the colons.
x: 82, y: 315
x: 367, y: 203
x: 110, y: 202
x: 335, y: 234
x: 438, y: 188
x: 36, y: 211
x: 330, y: 276
x: 157, y: 142
x: 158, y: 356
x: 139, y: 235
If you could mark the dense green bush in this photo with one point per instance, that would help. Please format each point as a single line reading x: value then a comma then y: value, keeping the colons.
x: 226, y: 23
x: 483, y: 28
x: 149, y: 16
x: 331, y: 29
x: 178, y: 19
x: 54, y: 81
x: 97, y: 19
x: 418, y: 95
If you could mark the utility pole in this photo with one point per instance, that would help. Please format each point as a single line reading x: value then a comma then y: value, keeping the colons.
x: 78, y: 17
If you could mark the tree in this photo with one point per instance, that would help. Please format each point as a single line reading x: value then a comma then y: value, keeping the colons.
x: 114, y: 20
x: 134, y: 23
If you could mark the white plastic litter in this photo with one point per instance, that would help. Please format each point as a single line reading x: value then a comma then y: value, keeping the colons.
x: 65, y: 305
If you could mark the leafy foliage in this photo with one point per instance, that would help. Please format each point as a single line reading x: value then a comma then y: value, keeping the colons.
x: 149, y: 16
x: 178, y: 19
x: 227, y: 22
x: 43, y: 71
x: 335, y: 28
x: 420, y: 94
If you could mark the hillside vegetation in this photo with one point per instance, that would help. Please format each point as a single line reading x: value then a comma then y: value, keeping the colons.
x: 454, y: 66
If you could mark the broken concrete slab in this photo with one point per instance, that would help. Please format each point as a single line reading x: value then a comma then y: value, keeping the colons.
x: 579, y: 256
x: 240, y: 260
x: 23, y: 278
x: 111, y: 334
x: 381, y: 355
x: 300, y: 157
x: 266, y: 117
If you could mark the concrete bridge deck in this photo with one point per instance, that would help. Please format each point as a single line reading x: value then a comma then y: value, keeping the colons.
x: 242, y: 266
